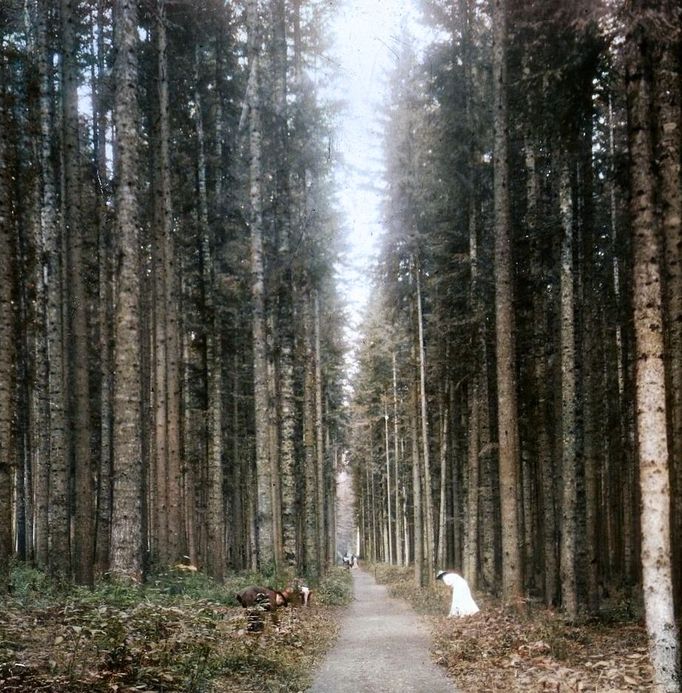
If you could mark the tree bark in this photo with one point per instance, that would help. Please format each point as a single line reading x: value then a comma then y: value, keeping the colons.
x: 159, y: 462
x: 471, y: 536
x: 126, y: 523
x: 48, y: 263
x: 77, y: 331
x: 667, y: 98
x: 479, y: 367
x: 105, y: 318
x: 441, y: 551
x: 617, y: 359
x: 58, y: 544
x: 399, y: 524
x: 264, y: 520
x: 285, y: 288
x: 388, y: 483
x: 215, y: 511
x: 417, y: 505
x: 507, y: 414
x: 311, y: 532
x: 592, y: 370
x: 651, y: 404
x: 427, y: 497
x: 7, y: 346
x: 569, y: 460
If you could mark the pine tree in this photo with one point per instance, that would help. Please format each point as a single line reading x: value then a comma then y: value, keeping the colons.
x: 651, y: 401
x: 504, y: 319
x: 7, y: 344
x: 126, y: 522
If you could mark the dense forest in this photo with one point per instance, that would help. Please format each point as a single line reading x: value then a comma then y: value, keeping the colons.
x: 518, y: 406
x: 174, y: 383
x: 171, y: 361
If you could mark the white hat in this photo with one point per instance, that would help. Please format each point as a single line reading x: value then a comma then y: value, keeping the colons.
x: 440, y: 574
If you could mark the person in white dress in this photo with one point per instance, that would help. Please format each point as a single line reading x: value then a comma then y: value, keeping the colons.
x: 463, y: 603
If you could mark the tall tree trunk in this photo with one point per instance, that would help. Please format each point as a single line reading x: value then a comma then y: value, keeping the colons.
x: 105, y: 318
x: 126, y: 521
x: 479, y: 367
x: 569, y: 460
x: 398, y: 513
x: 273, y: 432
x: 167, y: 505
x: 47, y: 219
x: 441, y: 552
x: 427, y: 499
x: 667, y: 99
x: 7, y: 344
x: 542, y: 352
x: 239, y: 507
x: 218, y: 224
x: 367, y: 525
x: 215, y: 510
x: 177, y: 530
x: 593, y: 371
x: 193, y: 453
x: 78, y: 338
x: 651, y: 405
x: 31, y: 391
x: 618, y: 357
x: 471, y: 536
x: 375, y: 553
x: 58, y: 547
x: 489, y: 493
x: 145, y: 340
x: 159, y: 504
x: 417, y: 505
x: 264, y: 521
x: 40, y: 468
x: 311, y: 532
x: 507, y: 405
x: 331, y: 494
x: 285, y: 288
x: 388, y: 483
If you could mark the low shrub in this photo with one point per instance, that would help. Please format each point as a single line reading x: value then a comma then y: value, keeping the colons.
x: 335, y: 589
x: 180, y: 631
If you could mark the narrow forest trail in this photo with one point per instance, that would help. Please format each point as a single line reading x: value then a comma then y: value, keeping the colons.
x: 381, y: 647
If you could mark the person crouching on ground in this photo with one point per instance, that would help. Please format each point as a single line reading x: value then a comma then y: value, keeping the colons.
x: 463, y: 603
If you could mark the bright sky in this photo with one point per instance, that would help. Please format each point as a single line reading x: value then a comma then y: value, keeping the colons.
x: 366, y: 38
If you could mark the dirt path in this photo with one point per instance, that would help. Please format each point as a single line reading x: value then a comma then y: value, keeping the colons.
x: 381, y: 647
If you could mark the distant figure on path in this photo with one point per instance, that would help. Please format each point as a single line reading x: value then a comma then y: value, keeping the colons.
x: 463, y: 603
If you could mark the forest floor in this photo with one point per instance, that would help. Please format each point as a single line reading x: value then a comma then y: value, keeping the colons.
x: 500, y: 649
x: 180, y: 632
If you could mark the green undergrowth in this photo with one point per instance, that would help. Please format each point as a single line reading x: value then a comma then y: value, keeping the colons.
x: 178, y: 632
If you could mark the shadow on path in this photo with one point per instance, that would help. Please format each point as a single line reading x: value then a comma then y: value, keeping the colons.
x: 381, y: 647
